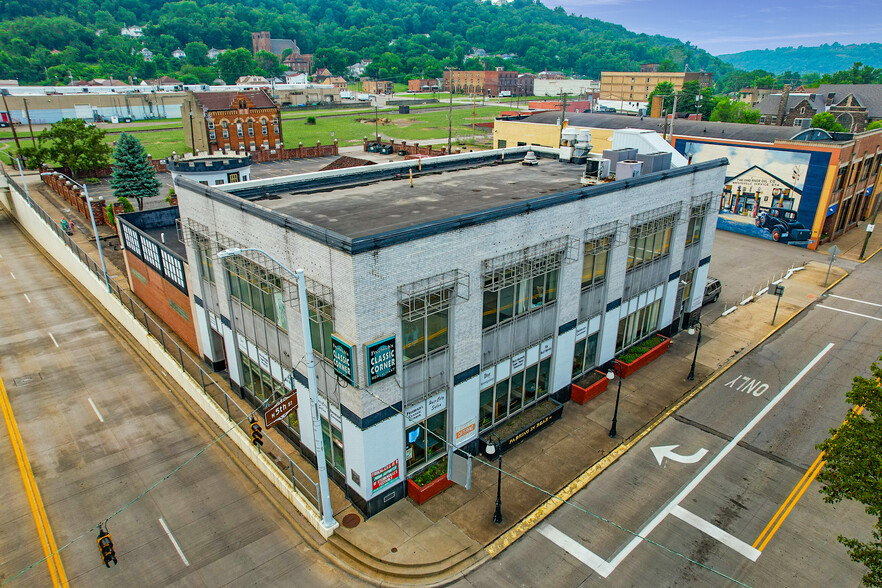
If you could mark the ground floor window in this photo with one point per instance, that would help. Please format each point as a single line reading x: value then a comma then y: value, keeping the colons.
x: 332, y: 438
x: 585, y: 356
x: 425, y: 441
x: 264, y: 387
x: 509, y: 395
x: 638, y: 325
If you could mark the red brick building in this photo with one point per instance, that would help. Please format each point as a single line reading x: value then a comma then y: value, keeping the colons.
x: 422, y: 85
x: 238, y: 121
x: 488, y: 83
x: 378, y: 86
x: 156, y: 266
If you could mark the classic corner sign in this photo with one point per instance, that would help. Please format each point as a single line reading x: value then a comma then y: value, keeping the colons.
x: 380, y: 359
x: 344, y: 358
x: 279, y: 409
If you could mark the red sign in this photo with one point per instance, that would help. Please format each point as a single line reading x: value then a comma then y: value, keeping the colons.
x: 279, y: 409
x: 384, y: 475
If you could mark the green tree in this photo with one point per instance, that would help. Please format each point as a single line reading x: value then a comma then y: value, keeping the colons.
x: 76, y: 145
x: 197, y: 53
x: 268, y: 64
x: 874, y: 125
x: 133, y: 176
x: 853, y: 455
x: 234, y: 64
x: 665, y: 89
x: 726, y: 110
x: 826, y: 121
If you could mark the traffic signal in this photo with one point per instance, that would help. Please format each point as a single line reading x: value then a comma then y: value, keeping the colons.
x: 256, y: 434
x: 105, y: 544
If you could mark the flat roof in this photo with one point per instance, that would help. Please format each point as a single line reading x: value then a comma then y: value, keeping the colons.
x: 371, y: 207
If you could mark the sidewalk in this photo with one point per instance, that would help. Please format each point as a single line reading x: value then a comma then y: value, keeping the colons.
x: 850, y: 243
x: 439, y: 541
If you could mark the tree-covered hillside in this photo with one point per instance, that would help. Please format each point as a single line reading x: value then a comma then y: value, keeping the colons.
x: 823, y: 59
x: 50, y: 41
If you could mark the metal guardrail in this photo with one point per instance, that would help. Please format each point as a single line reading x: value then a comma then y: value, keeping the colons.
x: 299, y: 479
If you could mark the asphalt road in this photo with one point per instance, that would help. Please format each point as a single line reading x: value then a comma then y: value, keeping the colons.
x: 742, y: 446
x: 99, y: 429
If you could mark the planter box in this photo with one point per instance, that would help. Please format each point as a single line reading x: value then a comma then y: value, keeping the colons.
x: 421, y: 494
x: 545, y: 419
x: 626, y: 369
x: 581, y: 395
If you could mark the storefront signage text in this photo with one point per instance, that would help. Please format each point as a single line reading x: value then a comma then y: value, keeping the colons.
x: 380, y: 359
x: 384, y: 476
x: 344, y: 359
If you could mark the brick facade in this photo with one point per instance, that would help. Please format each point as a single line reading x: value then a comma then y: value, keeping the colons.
x: 378, y: 86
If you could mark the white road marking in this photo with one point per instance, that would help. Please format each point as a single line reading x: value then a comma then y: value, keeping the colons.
x: 576, y: 549
x: 28, y: 299
x: 603, y: 567
x: 855, y: 300
x: 53, y: 339
x: 12, y: 274
x: 95, y: 408
x: 175, y: 543
x: 663, y: 451
x: 849, y: 312
x: 717, y: 533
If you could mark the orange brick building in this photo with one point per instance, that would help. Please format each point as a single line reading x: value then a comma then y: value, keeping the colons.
x: 378, y: 86
x: 238, y: 121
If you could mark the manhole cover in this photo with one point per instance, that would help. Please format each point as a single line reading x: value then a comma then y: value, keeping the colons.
x: 351, y: 521
x: 29, y: 379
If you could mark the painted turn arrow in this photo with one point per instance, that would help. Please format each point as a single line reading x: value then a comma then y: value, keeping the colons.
x: 664, y: 451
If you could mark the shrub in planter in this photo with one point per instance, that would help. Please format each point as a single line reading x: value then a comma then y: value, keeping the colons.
x: 636, y: 357
x: 429, y: 483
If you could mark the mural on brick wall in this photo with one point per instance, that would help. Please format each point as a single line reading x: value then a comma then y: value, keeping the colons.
x: 769, y: 193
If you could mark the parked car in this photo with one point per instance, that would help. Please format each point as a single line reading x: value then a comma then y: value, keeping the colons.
x: 712, y: 289
x: 782, y: 224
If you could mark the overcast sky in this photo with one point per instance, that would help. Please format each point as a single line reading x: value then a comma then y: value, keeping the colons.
x: 730, y: 27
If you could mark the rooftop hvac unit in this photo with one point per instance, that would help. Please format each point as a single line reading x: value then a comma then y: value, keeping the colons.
x: 567, y: 141
x: 629, y: 168
x: 654, y: 162
x: 597, y: 168
x: 617, y: 155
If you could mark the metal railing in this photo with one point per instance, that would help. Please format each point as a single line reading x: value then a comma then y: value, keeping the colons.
x: 300, y: 480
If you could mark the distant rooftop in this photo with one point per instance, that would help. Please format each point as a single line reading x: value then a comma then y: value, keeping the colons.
x: 370, y: 207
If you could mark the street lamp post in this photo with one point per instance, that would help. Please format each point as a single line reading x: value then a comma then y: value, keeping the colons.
x: 491, y: 449
x: 327, y: 513
x: 691, y: 331
x: 611, y: 374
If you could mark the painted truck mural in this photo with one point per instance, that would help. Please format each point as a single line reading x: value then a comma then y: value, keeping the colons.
x: 770, y: 193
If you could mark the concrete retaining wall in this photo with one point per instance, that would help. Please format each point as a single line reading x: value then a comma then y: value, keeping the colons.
x: 17, y: 204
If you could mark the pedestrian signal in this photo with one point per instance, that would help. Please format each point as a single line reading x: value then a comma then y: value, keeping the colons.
x: 256, y: 434
x: 105, y: 544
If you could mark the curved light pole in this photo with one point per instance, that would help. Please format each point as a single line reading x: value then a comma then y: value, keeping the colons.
x: 614, y: 371
x: 491, y: 449
x: 327, y: 514
x: 691, y: 331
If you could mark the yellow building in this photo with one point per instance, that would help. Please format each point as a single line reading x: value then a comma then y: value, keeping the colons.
x: 511, y: 133
x: 635, y: 86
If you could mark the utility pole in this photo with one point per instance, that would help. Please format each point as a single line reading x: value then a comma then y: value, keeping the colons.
x: 450, y: 122
x: 563, y: 115
x: 673, y: 116
x: 473, y: 118
x: 31, y: 128
x: 11, y: 123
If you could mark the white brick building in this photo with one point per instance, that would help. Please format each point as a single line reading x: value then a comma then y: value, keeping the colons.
x: 484, y: 279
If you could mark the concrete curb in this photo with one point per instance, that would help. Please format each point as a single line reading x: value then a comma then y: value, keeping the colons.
x: 552, y: 504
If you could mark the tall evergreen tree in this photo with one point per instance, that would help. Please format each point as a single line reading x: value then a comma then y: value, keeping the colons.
x: 133, y: 176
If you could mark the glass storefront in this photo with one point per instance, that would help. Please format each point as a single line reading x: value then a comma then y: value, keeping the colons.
x: 510, y: 395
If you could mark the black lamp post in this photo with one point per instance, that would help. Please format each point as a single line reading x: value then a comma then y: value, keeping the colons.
x: 491, y: 449
x: 614, y: 371
x: 691, y: 331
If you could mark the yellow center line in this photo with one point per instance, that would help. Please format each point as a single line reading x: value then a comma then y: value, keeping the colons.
x: 53, y: 558
x: 793, y: 498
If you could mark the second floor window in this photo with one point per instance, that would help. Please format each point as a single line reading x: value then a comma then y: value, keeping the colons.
x: 424, y: 323
x: 696, y: 222
x: 650, y: 241
x: 321, y: 324
x: 595, y: 261
x: 259, y: 290
x: 513, y: 291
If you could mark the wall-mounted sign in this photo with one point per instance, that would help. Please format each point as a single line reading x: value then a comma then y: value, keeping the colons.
x: 384, y: 476
x: 436, y: 404
x: 517, y: 362
x: 381, y: 360
x: 415, y: 413
x: 545, y: 349
x: 343, y: 354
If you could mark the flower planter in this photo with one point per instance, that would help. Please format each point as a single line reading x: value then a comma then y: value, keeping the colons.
x: 421, y: 494
x: 581, y: 395
x: 626, y: 369
x: 509, y: 437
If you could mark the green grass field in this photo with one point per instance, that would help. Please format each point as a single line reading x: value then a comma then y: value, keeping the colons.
x: 348, y: 130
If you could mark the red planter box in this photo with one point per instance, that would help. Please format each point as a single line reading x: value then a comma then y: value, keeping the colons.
x: 626, y: 369
x: 421, y: 494
x: 581, y: 395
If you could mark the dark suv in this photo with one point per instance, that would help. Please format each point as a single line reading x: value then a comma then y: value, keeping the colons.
x: 782, y: 224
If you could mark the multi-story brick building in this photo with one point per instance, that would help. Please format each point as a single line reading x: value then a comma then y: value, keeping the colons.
x: 488, y: 83
x: 636, y: 86
x: 239, y: 121
x: 422, y: 85
x: 377, y: 86
x: 438, y: 317
x: 853, y: 106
